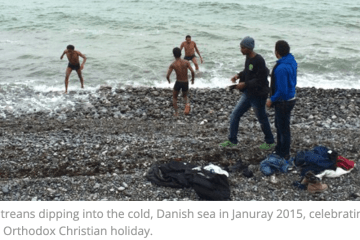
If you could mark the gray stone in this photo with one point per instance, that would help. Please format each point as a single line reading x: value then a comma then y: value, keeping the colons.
x: 5, y: 189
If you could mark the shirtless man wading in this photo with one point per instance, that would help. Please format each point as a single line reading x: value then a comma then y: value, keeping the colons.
x: 74, y: 64
x: 181, y: 69
x: 190, y: 47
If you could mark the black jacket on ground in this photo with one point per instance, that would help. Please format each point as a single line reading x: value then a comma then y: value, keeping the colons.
x: 208, y: 185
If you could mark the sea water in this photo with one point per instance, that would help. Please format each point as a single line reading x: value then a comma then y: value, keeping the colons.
x: 130, y: 43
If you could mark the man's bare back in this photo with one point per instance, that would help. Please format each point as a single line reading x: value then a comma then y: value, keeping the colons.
x: 181, y: 69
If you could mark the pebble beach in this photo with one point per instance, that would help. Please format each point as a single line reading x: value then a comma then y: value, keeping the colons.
x: 102, y: 145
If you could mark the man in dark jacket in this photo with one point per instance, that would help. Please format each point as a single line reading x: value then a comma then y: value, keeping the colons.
x: 283, y: 82
x: 255, y: 88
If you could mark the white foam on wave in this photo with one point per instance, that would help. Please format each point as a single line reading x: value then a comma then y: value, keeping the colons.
x: 41, y: 98
x: 199, y: 83
x: 330, y: 81
x: 204, y: 78
x: 92, y: 31
x: 15, y: 42
x: 28, y: 98
x: 59, y: 87
x: 44, y: 88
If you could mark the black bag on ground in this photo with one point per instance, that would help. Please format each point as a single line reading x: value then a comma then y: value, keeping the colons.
x: 172, y: 174
x: 210, y: 186
x: 207, y: 185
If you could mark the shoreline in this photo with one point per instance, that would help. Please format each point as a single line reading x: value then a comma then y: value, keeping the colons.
x: 102, y: 147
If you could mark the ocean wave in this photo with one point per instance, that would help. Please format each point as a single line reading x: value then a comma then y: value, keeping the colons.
x: 352, y: 26
x: 328, y: 81
x: 57, y: 15
x: 210, y: 35
x: 94, y: 20
x: 38, y: 73
x: 329, y: 66
x: 28, y: 56
x: 16, y: 42
x: 353, y: 50
x: 91, y: 31
x: 7, y: 19
x: 222, y: 6
x: 277, y: 37
x: 347, y: 16
x: 356, y: 9
x: 21, y: 99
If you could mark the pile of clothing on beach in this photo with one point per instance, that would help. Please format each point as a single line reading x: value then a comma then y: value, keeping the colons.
x: 315, y: 164
x: 209, y: 182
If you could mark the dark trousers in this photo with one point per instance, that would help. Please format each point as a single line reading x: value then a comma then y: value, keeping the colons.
x: 282, y: 124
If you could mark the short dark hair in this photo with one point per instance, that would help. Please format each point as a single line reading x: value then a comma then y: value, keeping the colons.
x: 177, y: 52
x: 187, y: 36
x: 282, y: 48
x: 70, y: 47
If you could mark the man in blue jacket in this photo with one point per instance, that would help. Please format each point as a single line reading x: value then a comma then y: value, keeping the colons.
x: 282, y: 95
x: 255, y: 88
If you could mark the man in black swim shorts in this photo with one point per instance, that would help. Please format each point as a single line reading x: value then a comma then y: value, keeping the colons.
x: 74, y: 67
x: 189, y: 58
x: 74, y: 64
x: 181, y: 69
x: 184, y: 86
x: 190, y: 48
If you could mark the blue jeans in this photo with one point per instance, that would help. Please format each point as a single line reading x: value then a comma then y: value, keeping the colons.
x: 282, y: 124
x: 244, y: 104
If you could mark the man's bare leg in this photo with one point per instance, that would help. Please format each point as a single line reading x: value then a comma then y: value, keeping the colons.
x: 185, y: 97
x: 175, y: 95
x: 187, y: 103
x: 80, y: 77
x: 67, y: 76
x: 196, y: 64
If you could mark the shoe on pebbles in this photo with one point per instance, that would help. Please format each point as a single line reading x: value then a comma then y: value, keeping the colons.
x: 227, y: 144
x: 317, y: 187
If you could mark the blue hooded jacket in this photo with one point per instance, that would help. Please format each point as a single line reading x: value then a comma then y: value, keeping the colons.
x: 285, y: 73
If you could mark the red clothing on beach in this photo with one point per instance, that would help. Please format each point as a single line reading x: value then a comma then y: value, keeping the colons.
x: 344, y: 163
